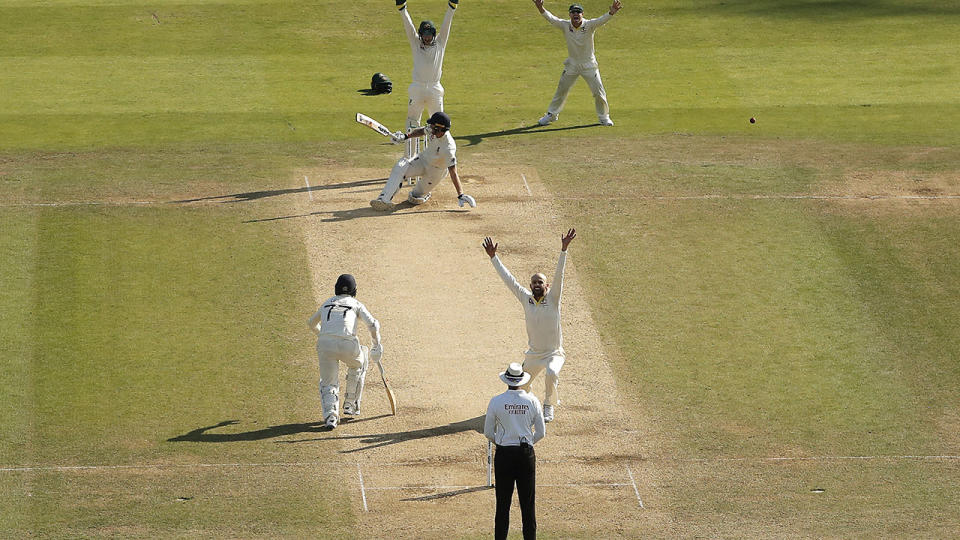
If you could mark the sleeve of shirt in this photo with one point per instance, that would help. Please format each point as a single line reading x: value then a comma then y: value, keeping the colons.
x: 553, y: 19
x: 556, y: 288
x: 490, y: 423
x: 444, y: 34
x: 372, y: 324
x: 599, y: 21
x: 518, y: 290
x: 408, y: 28
x: 314, y: 322
x: 539, y: 426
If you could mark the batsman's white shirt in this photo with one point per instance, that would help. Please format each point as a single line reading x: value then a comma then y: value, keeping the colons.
x: 543, y: 318
x: 440, y: 152
x: 580, y: 50
x: 427, y: 59
x: 513, y: 417
x: 338, y: 316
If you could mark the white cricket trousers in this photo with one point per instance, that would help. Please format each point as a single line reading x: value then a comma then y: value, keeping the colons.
x: 331, y: 351
x: 552, y: 363
x: 427, y: 96
x: 591, y: 74
x: 412, y: 168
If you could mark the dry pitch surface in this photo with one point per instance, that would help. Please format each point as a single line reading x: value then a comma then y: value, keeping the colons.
x: 449, y: 327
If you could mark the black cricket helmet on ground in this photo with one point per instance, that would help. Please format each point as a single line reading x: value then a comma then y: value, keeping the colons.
x: 381, y: 84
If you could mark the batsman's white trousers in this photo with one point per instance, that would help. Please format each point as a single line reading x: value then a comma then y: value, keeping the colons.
x: 427, y: 96
x: 591, y: 74
x: 412, y: 168
x: 552, y: 363
x: 331, y: 351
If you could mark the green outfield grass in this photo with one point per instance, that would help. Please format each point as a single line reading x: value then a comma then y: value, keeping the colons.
x: 747, y: 323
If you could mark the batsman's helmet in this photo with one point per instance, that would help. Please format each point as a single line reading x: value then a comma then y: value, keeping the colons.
x: 346, y: 285
x: 440, y: 118
x: 427, y: 27
x: 576, y: 8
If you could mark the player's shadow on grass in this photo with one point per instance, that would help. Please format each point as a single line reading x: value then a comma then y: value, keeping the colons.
x: 372, y: 92
x: 255, y: 195
x: 385, y: 439
x: 536, y: 128
x: 202, y: 434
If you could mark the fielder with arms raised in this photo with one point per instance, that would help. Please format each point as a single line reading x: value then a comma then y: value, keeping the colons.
x: 335, y: 324
x: 428, y: 47
x: 430, y: 166
x: 541, y: 307
x: 581, y: 62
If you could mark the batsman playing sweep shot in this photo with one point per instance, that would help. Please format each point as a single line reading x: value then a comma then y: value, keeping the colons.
x: 541, y: 308
x: 437, y: 159
x: 335, y: 324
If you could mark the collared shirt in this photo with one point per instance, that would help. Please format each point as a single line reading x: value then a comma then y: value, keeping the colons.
x: 513, y: 417
x: 580, y: 47
x: 542, y: 317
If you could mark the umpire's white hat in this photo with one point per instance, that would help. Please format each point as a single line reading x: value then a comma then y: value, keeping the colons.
x: 515, y: 375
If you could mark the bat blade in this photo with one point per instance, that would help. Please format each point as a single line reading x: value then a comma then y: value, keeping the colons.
x: 373, y: 124
x: 390, y: 396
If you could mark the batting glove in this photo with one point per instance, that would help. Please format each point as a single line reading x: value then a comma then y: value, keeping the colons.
x: 466, y: 199
x: 376, y: 353
x: 397, y: 137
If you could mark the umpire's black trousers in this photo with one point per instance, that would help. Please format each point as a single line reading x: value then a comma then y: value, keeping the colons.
x: 516, y: 464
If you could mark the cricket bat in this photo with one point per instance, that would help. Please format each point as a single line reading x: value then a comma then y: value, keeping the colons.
x: 390, y: 397
x: 374, y: 125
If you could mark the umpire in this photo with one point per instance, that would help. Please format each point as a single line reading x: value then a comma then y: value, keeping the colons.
x: 515, y: 423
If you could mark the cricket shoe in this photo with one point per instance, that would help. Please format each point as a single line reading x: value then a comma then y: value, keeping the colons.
x: 548, y: 119
x: 351, y: 409
x: 417, y: 200
x: 606, y: 121
x: 548, y: 413
x: 331, y: 421
x: 380, y: 205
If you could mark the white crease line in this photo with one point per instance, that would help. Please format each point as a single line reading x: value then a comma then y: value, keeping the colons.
x: 363, y: 491
x: 309, y: 190
x: 634, y: 483
x: 526, y: 185
x: 764, y: 197
x: 822, y: 458
x: 53, y: 468
x: 432, y: 488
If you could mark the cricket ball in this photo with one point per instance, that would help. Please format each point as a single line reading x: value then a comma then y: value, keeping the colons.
x: 753, y: 120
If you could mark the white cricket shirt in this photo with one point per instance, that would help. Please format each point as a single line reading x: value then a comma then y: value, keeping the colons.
x: 338, y: 316
x: 513, y: 417
x: 440, y: 152
x: 427, y: 59
x: 544, y: 335
x: 580, y: 48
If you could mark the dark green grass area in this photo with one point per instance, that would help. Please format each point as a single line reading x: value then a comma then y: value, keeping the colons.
x: 751, y: 324
x: 138, y: 326
x: 227, y: 502
x: 292, y: 72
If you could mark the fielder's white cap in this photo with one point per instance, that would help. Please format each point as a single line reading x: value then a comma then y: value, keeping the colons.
x: 515, y: 375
